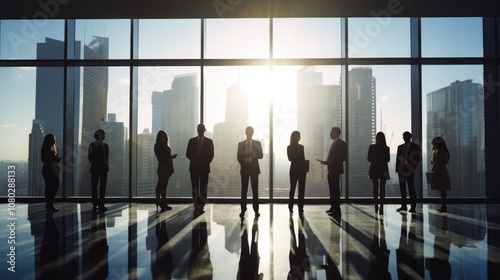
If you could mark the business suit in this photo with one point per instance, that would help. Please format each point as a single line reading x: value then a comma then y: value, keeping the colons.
x: 99, y: 167
x: 407, y: 160
x: 165, y: 170
x: 199, y: 167
x: 336, y: 157
x: 249, y: 169
x: 50, y: 173
x: 297, y: 174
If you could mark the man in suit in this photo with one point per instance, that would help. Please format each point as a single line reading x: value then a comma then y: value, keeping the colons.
x: 200, y: 152
x: 409, y: 156
x: 335, y: 162
x: 249, y: 153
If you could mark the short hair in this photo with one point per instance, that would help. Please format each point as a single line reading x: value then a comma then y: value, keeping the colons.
x: 406, y: 133
x: 96, y: 136
x: 337, y: 129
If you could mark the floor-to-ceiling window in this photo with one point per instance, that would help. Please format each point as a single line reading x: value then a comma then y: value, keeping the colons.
x: 277, y: 75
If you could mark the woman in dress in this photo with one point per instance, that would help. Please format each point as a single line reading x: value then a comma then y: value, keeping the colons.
x: 165, y: 168
x: 440, y: 177
x: 378, y: 156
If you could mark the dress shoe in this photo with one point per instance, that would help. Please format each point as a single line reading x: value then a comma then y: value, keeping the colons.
x: 257, y: 214
x: 51, y: 209
x: 381, y: 210
x: 402, y: 208
x: 102, y: 208
x: 412, y: 210
x: 329, y: 210
x: 442, y: 208
x: 335, y: 213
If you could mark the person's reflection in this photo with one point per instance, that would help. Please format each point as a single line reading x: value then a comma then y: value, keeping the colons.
x: 439, y: 266
x: 49, y: 250
x: 332, y: 258
x: 98, y: 247
x: 200, y: 266
x: 162, y: 265
x: 248, y: 267
x: 299, y: 260
x: 410, y: 261
x: 379, y: 256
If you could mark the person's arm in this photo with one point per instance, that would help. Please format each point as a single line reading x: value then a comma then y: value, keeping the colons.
x: 258, y: 148
x: 189, y: 150
x: 388, y: 154
x: 370, y: 153
x: 210, y: 150
x: 240, y: 153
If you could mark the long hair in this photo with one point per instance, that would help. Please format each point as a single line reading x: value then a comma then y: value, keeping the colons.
x: 380, y: 139
x: 293, y: 138
x: 162, y: 138
x: 49, y: 143
x: 440, y: 144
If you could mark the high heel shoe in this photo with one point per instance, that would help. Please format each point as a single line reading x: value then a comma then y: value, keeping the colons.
x: 157, y: 203
x: 442, y: 208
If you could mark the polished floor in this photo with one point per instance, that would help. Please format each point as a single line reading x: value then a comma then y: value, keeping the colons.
x: 134, y: 241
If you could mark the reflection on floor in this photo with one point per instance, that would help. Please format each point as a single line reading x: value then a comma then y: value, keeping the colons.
x: 134, y: 241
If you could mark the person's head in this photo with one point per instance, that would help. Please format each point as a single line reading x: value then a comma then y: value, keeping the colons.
x: 335, y: 133
x: 49, y: 143
x: 201, y: 129
x: 162, y: 138
x: 380, y: 139
x: 438, y: 142
x: 295, y: 138
x: 100, y: 135
x: 249, y: 132
x: 406, y: 136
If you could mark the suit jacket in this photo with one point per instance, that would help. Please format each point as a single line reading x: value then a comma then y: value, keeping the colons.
x: 414, y: 159
x: 99, y: 157
x: 297, y: 158
x: 164, y: 156
x: 206, y: 157
x: 252, y: 167
x: 337, y: 157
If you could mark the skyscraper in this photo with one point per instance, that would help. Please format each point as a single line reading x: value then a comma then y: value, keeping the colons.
x: 146, y: 164
x: 456, y: 113
x: 319, y: 108
x: 361, y: 128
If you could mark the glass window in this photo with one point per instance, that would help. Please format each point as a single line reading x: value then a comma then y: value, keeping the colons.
x: 169, y: 99
x: 379, y: 37
x: 306, y: 38
x: 102, y: 101
x: 237, y: 38
x: 31, y: 103
x: 453, y: 108
x: 379, y: 101
x: 236, y: 97
x: 32, y: 39
x: 307, y: 99
x: 452, y: 37
x: 169, y: 38
x: 102, y: 39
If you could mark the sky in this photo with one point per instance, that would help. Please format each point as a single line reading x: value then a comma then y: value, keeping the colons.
x: 244, y: 38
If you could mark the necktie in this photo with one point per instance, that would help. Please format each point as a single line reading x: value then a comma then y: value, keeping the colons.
x: 248, y: 151
x: 405, y: 154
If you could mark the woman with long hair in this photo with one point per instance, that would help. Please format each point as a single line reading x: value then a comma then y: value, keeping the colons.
x: 378, y: 156
x: 298, y: 170
x: 165, y: 168
x: 440, y: 177
x: 50, y: 170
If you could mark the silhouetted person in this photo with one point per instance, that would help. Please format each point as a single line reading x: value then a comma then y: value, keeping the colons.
x: 440, y: 177
x: 298, y: 258
x: 99, y: 167
x: 165, y: 168
x: 200, y: 266
x: 379, y: 257
x: 335, y: 162
x: 50, y: 170
x: 162, y: 265
x: 409, y: 156
x: 99, y: 267
x: 249, y: 153
x: 409, y: 259
x: 248, y: 267
x: 49, y: 251
x: 298, y: 169
x: 378, y: 156
x: 439, y: 266
x: 200, y: 152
